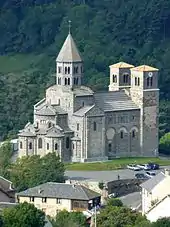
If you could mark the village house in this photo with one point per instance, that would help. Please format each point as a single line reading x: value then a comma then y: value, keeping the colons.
x: 155, y: 196
x: 54, y: 197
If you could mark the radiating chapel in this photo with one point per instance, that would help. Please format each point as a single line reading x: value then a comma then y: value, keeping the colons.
x: 81, y: 125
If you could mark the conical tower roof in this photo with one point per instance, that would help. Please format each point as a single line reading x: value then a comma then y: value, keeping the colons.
x: 69, y: 51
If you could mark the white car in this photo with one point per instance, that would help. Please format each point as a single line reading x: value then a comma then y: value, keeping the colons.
x: 133, y: 167
x: 144, y: 166
x: 150, y: 174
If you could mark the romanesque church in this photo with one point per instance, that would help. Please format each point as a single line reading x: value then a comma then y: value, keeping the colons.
x: 80, y: 125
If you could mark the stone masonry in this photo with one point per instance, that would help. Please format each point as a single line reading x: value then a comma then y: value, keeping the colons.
x: 80, y: 125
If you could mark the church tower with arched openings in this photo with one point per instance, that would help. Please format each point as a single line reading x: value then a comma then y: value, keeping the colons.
x: 69, y: 64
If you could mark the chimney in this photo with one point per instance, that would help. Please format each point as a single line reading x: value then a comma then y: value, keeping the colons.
x: 167, y: 172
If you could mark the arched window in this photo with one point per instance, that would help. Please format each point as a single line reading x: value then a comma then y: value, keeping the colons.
x: 138, y: 81
x: 74, y: 80
x: 77, y: 69
x: 82, y: 103
x: 48, y: 146
x: 149, y: 81
x: 56, y: 146
x: 59, y: 102
x: 40, y: 143
x: 133, y: 134
x: 59, y: 69
x: 110, y: 147
x: 65, y: 81
x: 30, y: 145
x: 68, y: 70
x: 126, y: 78
x: 77, y: 81
x: 68, y: 81
x: 67, y: 142
x: 73, y: 146
x: 114, y: 78
x: 20, y: 145
x: 59, y: 80
x: 94, y: 126
x: 65, y: 70
x: 121, y: 134
x: 49, y: 125
x: 135, y: 81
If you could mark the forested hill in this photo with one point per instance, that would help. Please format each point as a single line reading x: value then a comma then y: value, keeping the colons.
x: 106, y: 31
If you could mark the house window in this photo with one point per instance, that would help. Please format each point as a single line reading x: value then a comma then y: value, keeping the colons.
x: 114, y: 78
x: 94, y: 126
x: 121, y: 135
x: 58, y: 201
x: 31, y: 199
x: 40, y: 143
x: 48, y: 146
x: 56, y: 146
x: 30, y: 145
x: 59, y: 69
x: 20, y: 145
x: 110, y: 147
x: 78, y: 127
x: 67, y: 142
x: 44, y: 200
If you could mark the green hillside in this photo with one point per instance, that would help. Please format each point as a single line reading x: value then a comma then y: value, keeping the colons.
x: 107, y: 31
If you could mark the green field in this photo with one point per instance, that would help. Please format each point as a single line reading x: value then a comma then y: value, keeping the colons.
x: 114, y: 164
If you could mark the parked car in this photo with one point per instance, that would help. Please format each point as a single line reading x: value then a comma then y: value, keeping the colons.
x: 144, y: 166
x: 150, y: 174
x: 133, y: 167
x: 141, y: 176
x: 113, y: 195
x: 153, y: 166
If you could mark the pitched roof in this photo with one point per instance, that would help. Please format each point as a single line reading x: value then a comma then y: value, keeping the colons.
x: 81, y: 112
x: 144, y: 68
x: 69, y: 51
x: 151, y: 183
x: 55, y: 131
x: 114, y: 101
x: 26, y: 133
x: 46, y: 110
x: 61, y: 191
x: 121, y: 65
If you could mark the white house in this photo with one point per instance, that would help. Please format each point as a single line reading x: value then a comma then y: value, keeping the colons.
x: 155, y: 196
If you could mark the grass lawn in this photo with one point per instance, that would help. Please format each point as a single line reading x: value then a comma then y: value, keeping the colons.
x: 114, y: 164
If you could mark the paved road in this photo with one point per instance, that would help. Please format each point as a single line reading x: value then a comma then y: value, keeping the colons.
x: 103, y: 175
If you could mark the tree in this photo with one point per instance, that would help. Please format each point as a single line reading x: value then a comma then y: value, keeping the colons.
x: 23, y: 215
x: 114, y: 202
x: 32, y: 170
x: 163, y: 222
x: 114, y: 216
x: 5, y: 158
x: 101, y: 185
x: 69, y: 219
x: 165, y: 144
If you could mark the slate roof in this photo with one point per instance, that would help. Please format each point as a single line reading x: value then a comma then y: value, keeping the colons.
x: 55, y: 132
x: 4, y: 205
x: 82, y: 91
x: 26, y: 133
x: 81, y: 112
x: 69, y: 51
x: 61, y: 191
x: 144, y: 68
x: 114, y: 101
x: 151, y: 183
x: 121, y: 65
x: 76, y: 139
x: 46, y: 110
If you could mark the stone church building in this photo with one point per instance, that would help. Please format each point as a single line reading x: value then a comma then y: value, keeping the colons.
x: 80, y: 125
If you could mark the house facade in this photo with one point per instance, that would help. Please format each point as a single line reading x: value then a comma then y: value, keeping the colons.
x: 54, y: 197
x: 155, y: 190
x: 80, y: 125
